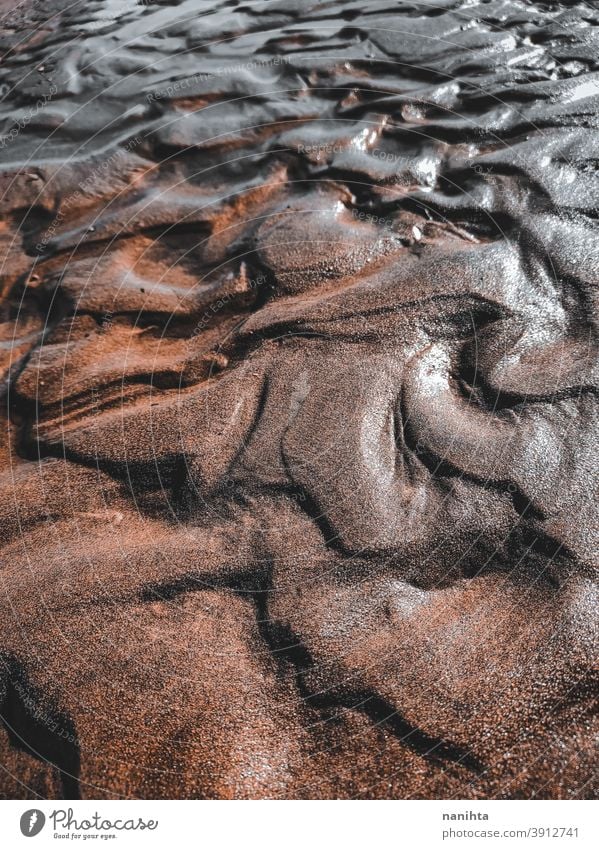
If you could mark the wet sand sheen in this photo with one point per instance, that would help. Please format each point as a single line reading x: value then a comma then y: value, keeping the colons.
x: 299, y: 376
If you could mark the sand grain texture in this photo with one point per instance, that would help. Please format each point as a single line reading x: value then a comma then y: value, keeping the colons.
x: 299, y: 362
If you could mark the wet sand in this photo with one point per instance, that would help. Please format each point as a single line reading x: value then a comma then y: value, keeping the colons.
x: 299, y: 362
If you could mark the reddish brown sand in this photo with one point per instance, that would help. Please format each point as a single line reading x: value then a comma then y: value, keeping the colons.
x: 298, y: 463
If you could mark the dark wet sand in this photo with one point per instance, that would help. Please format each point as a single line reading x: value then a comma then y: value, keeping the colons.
x: 298, y: 462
